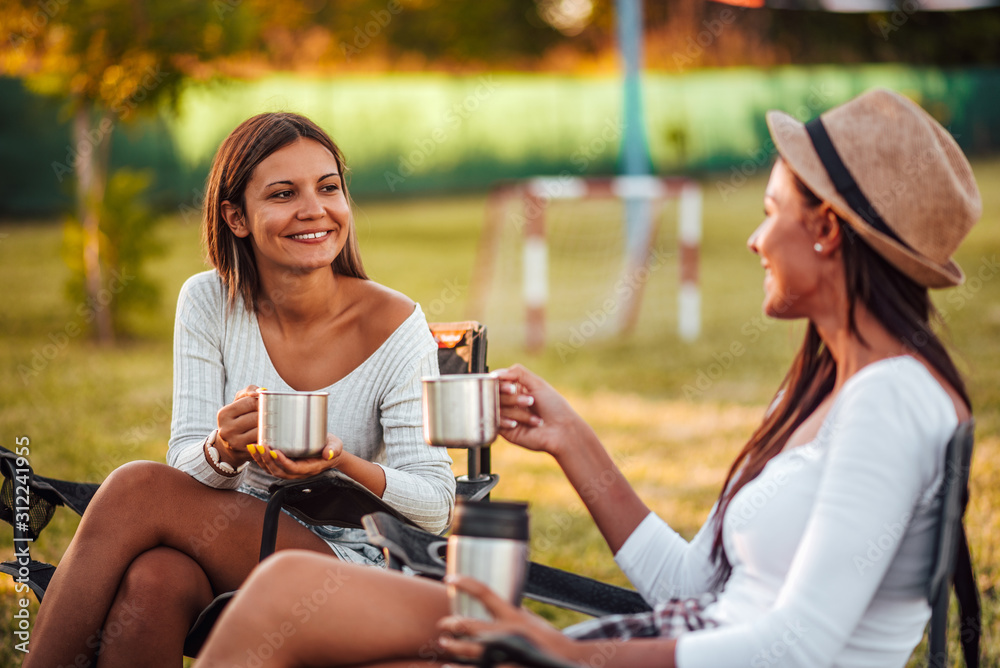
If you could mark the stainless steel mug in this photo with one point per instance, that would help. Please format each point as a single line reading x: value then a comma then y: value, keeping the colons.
x: 488, y: 542
x: 461, y: 410
x: 292, y: 422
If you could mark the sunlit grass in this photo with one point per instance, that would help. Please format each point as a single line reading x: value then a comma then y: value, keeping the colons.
x: 88, y: 410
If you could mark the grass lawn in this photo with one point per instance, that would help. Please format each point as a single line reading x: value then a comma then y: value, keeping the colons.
x: 673, y: 414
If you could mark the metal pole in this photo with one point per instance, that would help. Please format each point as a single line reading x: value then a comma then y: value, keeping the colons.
x: 635, y: 159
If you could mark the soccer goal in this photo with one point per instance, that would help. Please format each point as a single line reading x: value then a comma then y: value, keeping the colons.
x: 564, y: 260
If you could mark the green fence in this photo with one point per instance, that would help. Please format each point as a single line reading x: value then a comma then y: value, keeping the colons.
x: 416, y: 134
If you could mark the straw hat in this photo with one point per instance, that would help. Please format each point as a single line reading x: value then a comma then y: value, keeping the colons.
x: 915, y: 197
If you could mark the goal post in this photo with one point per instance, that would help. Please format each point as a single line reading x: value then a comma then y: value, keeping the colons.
x: 521, y: 209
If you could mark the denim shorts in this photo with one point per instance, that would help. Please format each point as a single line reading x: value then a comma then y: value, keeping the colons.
x: 348, y: 544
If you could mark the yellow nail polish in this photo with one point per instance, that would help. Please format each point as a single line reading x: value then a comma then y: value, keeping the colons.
x: 329, y: 454
x: 252, y: 447
x: 274, y: 454
x: 262, y: 389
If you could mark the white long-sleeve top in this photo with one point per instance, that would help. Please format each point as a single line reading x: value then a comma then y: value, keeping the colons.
x: 831, y: 545
x: 375, y: 410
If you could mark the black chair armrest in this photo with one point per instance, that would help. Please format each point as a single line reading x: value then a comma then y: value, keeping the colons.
x: 424, y: 553
x: 581, y: 594
x: 45, y: 494
x: 475, y: 490
x: 415, y: 548
x: 517, y: 650
x: 39, y: 575
x: 202, y: 626
x: 330, y: 498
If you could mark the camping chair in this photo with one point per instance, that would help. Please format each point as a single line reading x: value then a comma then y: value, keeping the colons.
x: 42, y: 496
x: 330, y: 498
x: 952, y: 563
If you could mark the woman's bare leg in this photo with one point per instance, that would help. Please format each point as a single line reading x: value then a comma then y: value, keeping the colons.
x: 162, y: 591
x: 304, y: 609
x: 142, y: 506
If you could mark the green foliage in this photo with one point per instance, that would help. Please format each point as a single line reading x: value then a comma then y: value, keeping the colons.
x: 127, y: 239
x: 113, y: 55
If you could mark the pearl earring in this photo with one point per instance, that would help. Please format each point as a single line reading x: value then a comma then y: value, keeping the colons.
x: 818, y: 246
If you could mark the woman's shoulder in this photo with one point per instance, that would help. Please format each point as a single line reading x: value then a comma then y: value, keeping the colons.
x: 385, y: 309
x: 202, y: 293
x: 898, y: 394
x: 389, y: 316
x: 203, y: 285
x: 903, y: 374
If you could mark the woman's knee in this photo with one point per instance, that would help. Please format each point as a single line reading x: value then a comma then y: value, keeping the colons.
x: 135, y: 481
x: 304, y: 575
x: 163, y: 578
x: 297, y: 565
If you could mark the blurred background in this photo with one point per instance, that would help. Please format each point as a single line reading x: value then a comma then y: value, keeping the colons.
x: 111, y: 111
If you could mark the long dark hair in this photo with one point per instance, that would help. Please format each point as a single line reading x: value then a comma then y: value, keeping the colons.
x: 246, y: 147
x: 899, y: 303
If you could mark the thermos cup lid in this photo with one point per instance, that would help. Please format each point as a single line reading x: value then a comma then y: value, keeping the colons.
x: 491, y: 519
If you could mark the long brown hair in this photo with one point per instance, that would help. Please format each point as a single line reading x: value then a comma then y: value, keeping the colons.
x: 899, y: 303
x: 246, y: 147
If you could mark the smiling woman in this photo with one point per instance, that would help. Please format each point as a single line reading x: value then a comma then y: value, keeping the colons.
x: 288, y: 307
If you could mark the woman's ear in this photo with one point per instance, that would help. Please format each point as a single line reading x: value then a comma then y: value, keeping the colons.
x: 235, y: 220
x: 829, y: 232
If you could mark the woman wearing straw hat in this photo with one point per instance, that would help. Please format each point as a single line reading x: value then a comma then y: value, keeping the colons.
x: 820, y: 546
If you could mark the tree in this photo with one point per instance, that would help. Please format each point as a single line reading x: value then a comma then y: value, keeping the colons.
x: 112, y: 61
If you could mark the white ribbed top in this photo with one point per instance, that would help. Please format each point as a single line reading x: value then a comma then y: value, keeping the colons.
x: 375, y: 410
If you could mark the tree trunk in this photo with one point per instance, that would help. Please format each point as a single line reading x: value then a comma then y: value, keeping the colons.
x: 91, y: 170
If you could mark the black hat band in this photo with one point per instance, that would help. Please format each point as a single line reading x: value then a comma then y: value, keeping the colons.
x: 844, y: 182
